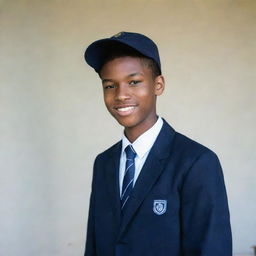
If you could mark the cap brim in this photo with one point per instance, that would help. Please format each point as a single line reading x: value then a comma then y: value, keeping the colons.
x: 97, y: 52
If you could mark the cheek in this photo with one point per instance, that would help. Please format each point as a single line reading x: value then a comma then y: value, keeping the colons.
x: 147, y: 96
x: 107, y: 101
x: 142, y: 92
x: 106, y: 97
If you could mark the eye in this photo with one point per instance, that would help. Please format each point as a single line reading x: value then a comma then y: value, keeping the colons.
x: 134, y: 82
x: 109, y: 86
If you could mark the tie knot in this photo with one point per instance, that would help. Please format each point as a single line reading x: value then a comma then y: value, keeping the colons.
x: 130, y: 152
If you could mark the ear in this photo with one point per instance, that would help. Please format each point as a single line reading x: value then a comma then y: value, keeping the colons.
x: 159, y: 85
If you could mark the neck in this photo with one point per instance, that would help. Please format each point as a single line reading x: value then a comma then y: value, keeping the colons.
x: 132, y: 133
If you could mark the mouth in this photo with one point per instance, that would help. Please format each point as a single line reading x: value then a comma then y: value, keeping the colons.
x: 125, y: 111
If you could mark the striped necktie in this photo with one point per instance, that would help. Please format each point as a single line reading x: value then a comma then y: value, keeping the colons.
x: 128, y: 175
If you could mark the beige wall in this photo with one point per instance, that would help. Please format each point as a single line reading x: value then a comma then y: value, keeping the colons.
x: 53, y: 121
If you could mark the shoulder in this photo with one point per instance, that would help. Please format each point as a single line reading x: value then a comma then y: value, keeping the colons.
x: 109, y: 152
x: 187, y: 149
x: 189, y: 146
x: 191, y: 151
x: 198, y: 165
x: 104, y: 157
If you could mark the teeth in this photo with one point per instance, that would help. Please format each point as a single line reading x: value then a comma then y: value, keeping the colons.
x: 125, y: 109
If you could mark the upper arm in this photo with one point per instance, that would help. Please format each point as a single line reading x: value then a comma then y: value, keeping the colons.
x: 205, y: 220
x: 90, y: 247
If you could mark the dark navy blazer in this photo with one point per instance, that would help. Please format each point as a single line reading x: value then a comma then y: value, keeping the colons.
x: 194, y: 219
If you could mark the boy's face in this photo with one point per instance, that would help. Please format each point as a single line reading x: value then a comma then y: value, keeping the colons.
x: 130, y: 93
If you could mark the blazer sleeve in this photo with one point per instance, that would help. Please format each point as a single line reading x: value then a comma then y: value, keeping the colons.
x: 205, y: 222
x: 90, y: 248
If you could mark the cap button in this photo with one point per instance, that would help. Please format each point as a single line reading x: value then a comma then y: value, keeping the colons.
x: 118, y: 34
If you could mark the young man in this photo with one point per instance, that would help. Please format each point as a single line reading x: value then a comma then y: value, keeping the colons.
x: 155, y: 192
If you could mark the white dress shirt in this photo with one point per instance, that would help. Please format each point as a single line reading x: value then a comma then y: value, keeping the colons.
x: 142, y: 146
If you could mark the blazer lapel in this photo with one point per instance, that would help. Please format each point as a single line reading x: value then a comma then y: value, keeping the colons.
x: 149, y: 174
x: 112, y: 179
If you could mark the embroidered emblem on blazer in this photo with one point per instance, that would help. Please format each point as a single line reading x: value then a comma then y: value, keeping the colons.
x: 159, y: 206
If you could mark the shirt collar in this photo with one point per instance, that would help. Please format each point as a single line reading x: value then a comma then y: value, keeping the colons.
x: 145, y: 141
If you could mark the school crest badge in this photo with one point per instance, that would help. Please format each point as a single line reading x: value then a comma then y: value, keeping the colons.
x: 159, y: 206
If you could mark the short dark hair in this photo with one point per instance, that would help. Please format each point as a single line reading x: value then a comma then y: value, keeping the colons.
x: 116, y: 50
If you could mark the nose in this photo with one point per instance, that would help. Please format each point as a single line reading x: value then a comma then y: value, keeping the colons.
x: 122, y: 92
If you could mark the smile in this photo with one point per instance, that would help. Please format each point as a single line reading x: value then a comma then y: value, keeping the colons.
x: 124, y: 111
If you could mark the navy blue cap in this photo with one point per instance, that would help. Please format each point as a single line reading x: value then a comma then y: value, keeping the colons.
x: 96, y: 52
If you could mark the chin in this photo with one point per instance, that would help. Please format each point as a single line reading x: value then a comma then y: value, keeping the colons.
x: 127, y: 123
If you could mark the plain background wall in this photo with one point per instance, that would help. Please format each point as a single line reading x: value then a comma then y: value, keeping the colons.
x: 53, y: 120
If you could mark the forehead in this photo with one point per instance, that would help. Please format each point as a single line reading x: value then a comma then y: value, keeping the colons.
x: 126, y: 64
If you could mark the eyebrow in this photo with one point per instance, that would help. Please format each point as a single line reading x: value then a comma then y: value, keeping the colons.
x: 106, y: 80
x: 135, y: 74
x: 130, y: 75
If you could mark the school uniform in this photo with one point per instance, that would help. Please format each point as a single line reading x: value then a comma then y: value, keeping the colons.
x: 177, y: 207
